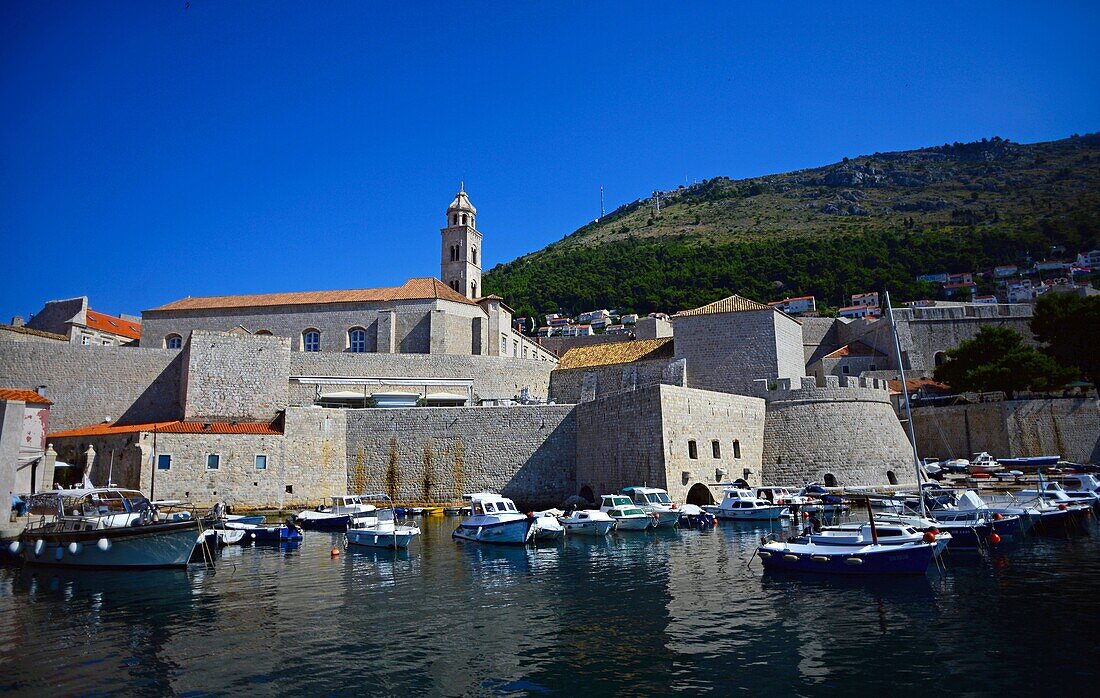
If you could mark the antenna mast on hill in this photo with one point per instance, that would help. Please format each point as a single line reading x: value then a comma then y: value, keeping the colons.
x: 601, y: 202
x: 657, y: 201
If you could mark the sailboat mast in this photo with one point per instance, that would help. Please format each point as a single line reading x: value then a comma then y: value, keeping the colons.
x: 905, y: 396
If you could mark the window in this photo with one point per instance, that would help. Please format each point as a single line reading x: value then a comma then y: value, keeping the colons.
x: 164, y: 461
x: 693, y: 450
x: 473, y: 255
x: 736, y: 448
x: 515, y: 347
x: 261, y: 462
x: 357, y: 340
x: 892, y: 477
x: 85, y: 340
x: 173, y: 341
x: 213, y: 461
x: 844, y: 369
x: 504, y: 346
x: 830, y: 480
x: 940, y: 357
x: 454, y: 219
x: 872, y: 367
x: 311, y: 340
x: 525, y: 351
x: 463, y: 219
x: 716, y: 449
x: 289, y: 489
x: 265, y: 333
x: 473, y: 289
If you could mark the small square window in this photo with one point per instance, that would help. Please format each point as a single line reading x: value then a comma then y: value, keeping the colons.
x: 164, y: 461
x: 290, y: 489
x: 213, y: 461
x: 261, y: 462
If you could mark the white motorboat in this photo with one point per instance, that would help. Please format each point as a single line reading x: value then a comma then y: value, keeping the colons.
x: 1053, y: 491
x: 106, y: 527
x: 781, y: 495
x: 495, y: 519
x: 984, y: 463
x: 887, y: 533
x: 587, y: 522
x: 627, y: 516
x: 380, y: 531
x: 221, y: 537
x: 547, y: 527
x: 337, y: 516
x: 655, y: 501
x: 742, y: 505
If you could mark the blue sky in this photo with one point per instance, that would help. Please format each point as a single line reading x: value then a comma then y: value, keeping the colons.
x: 150, y: 151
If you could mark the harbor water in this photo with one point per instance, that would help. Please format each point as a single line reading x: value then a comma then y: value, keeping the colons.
x: 649, y: 613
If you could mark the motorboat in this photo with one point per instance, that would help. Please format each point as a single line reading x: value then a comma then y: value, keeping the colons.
x: 1056, y: 493
x: 781, y: 495
x: 494, y: 519
x: 693, y: 516
x: 743, y: 505
x: 969, y: 508
x: 983, y: 463
x: 587, y: 522
x: 337, y: 515
x: 287, y: 532
x: 859, y: 559
x: 1081, y: 482
x: 859, y: 533
x: 220, y: 537
x: 1030, y: 462
x: 967, y: 535
x: 628, y: 517
x: 655, y: 501
x: 380, y: 531
x: 106, y: 527
x: 547, y: 527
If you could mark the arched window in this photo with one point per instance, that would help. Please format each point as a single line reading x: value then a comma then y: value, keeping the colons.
x: 463, y: 219
x: 311, y: 340
x: 173, y: 341
x: 693, y: 450
x: 357, y: 340
x: 940, y: 357
x: 892, y: 477
x: 715, y: 449
x: 266, y: 333
x: 473, y: 289
x: 736, y: 448
x: 830, y: 480
x: 454, y: 219
x: 473, y: 255
x: 587, y: 493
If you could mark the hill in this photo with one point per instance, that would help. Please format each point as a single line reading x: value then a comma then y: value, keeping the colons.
x: 866, y: 223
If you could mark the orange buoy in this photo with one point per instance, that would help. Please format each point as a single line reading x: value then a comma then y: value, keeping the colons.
x: 994, y: 538
x: 929, y: 536
x: 998, y: 517
x: 335, y: 551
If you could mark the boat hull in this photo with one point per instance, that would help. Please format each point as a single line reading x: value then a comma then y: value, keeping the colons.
x: 870, y: 560
x: 763, y: 514
x: 638, y: 523
x: 323, y: 522
x: 267, y: 534
x: 166, y: 544
x: 398, y: 540
x: 514, y: 532
x: 589, y: 528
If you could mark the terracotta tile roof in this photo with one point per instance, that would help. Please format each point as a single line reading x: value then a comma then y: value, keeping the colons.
x: 176, y: 427
x: 617, y: 353
x: 114, y: 325
x: 854, y: 349
x: 36, y: 333
x: 413, y: 289
x: 28, y: 396
x: 916, y: 384
x: 733, y: 304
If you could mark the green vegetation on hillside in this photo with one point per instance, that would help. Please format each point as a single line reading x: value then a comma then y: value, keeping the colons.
x: 864, y: 224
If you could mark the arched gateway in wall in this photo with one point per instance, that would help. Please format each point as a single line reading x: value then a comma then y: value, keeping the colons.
x: 700, y: 495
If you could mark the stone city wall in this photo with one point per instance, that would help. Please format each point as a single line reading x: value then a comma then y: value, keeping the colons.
x: 494, y: 377
x: 845, y: 429
x: 89, y: 384
x: 566, y: 386
x: 228, y: 376
x: 437, y: 454
x: 1069, y: 428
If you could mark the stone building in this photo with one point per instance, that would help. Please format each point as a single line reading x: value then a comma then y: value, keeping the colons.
x: 73, y: 319
x: 26, y: 464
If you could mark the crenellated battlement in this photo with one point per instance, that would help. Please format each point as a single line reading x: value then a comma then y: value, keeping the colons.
x: 832, y: 389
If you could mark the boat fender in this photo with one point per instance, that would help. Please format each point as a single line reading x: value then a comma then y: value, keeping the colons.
x: 1062, y: 507
x: 994, y: 538
x: 530, y: 514
x: 998, y: 517
x: 853, y: 561
x: 819, y: 558
x: 790, y: 557
x: 763, y: 553
x: 929, y: 537
x: 103, y: 544
x: 38, y: 546
x: 16, y: 547
x: 75, y: 548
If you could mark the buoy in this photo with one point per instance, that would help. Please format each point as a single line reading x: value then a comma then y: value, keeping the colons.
x: 16, y: 547
x: 994, y: 538
x: 998, y: 517
x: 335, y: 551
x: 103, y: 544
x: 805, y: 515
x: 253, y: 536
x: 38, y: 546
x: 1062, y: 507
x: 929, y: 537
x: 75, y: 548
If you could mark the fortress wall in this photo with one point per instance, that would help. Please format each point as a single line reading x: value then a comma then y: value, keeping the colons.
x: 1066, y: 427
x: 89, y: 384
x: 526, y: 452
x: 493, y: 376
x: 229, y: 376
x: 565, y: 385
x: 849, y: 431
x: 641, y: 437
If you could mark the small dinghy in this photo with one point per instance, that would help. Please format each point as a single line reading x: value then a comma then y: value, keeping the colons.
x: 546, y: 527
x: 288, y: 532
x: 220, y: 537
x: 381, y: 531
x: 587, y: 522
x: 693, y: 516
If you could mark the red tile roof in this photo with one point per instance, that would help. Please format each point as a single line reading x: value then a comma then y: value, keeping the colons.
x: 413, y: 289
x: 28, y: 396
x: 854, y: 349
x: 113, y: 325
x: 176, y: 427
x: 915, y: 384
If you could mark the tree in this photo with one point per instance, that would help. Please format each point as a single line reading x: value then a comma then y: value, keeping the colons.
x: 1069, y: 325
x: 997, y: 359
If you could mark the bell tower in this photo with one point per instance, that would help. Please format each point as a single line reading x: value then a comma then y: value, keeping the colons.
x: 460, y: 263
